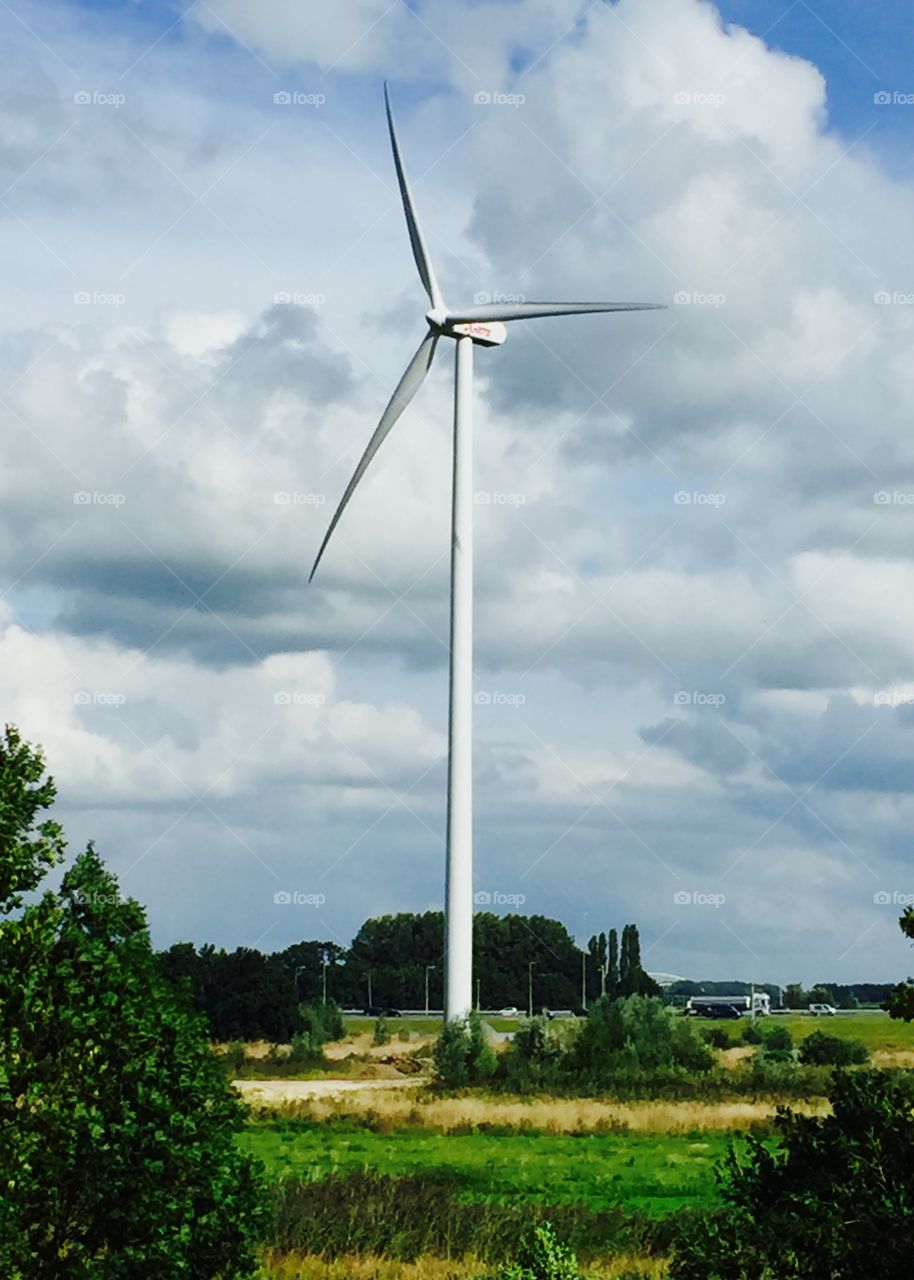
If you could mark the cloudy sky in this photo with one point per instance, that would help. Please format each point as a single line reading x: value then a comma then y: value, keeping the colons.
x: 695, y: 527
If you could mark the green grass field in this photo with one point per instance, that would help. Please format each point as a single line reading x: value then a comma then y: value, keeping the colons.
x: 876, y: 1030
x: 657, y: 1174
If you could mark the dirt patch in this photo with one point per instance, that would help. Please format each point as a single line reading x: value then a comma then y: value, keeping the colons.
x: 276, y: 1093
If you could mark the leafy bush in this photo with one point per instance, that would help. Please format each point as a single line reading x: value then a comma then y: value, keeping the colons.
x: 462, y: 1055
x: 118, y: 1154
x: 381, y: 1033
x: 822, y: 1049
x: 542, y: 1257
x: 717, y: 1037
x: 635, y: 1034
x: 777, y: 1038
x: 752, y: 1033
x: 834, y: 1199
x: 233, y: 1058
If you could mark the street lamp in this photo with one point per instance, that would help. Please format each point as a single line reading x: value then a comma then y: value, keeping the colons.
x: 324, y: 979
x: 530, y: 988
x: 428, y: 969
x: 299, y: 968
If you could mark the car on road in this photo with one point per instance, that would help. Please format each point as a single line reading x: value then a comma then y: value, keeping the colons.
x: 379, y: 1011
x: 510, y: 1011
x: 822, y: 1010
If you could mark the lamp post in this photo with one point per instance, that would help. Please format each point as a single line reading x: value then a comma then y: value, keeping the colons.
x: 428, y: 969
x: 583, y: 979
x: 530, y: 988
x: 299, y: 968
x: 324, y: 980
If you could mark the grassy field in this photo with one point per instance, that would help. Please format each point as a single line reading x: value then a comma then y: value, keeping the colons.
x: 878, y: 1031
x: 659, y: 1174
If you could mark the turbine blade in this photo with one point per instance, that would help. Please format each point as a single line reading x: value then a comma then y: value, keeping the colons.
x: 534, y: 310
x: 407, y: 387
x: 420, y: 253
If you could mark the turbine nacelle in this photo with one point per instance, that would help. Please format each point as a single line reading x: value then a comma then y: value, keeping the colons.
x: 486, y: 333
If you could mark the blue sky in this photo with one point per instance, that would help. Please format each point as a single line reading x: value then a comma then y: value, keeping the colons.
x: 693, y: 618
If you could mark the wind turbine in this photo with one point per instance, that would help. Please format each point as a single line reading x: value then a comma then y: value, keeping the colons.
x: 482, y: 326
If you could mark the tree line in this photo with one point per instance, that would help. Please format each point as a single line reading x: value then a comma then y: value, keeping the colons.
x: 395, y: 961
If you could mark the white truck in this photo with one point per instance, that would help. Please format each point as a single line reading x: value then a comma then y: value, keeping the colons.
x: 757, y: 1005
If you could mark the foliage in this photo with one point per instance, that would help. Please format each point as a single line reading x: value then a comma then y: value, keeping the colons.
x: 632, y: 1034
x: 28, y: 847
x: 836, y: 1198
x: 752, y: 1032
x: 243, y: 994
x: 717, y: 1037
x: 900, y: 1000
x: 535, y: 1055
x: 542, y: 1257
x: 321, y: 1023
x: 381, y: 1033
x: 462, y: 1055
x: 118, y: 1153
x: 824, y: 1050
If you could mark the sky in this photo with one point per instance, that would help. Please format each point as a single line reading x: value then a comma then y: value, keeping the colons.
x: 695, y: 567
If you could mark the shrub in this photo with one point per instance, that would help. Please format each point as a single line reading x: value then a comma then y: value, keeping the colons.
x: 822, y: 1049
x: 777, y: 1038
x: 691, y: 1050
x: 752, y: 1033
x: 462, y: 1055
x: 717, y: 1037
x: 542, y: 1257
x: 835, y: 1199
x: 381, y: 1033
x: 234, y: 1057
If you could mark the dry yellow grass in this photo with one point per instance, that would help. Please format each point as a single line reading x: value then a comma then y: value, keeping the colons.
x: 893, y: 1058
x: 368, y: 1267
x: 550, y: 1115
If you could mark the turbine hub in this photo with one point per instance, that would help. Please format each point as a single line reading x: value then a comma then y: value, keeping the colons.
x: 485, y: 333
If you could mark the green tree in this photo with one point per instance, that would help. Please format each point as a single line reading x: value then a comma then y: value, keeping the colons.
x: 835, y: 1198
x: 117, y: 1126
x: 462, y: 1055
x: 612, y: 963
x: 795, y: 997
x: 900, y: 1000
x: 28, y: 847
x: 820, y: 1049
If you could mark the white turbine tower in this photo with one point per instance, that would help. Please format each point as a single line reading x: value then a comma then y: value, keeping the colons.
x: 482, y: 326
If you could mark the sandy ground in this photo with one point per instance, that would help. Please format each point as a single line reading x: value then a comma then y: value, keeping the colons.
x: 277, y: 1092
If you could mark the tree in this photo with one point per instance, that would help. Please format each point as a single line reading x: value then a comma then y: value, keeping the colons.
x: 612, y: 964
x: 117, y: 1126
x: 633, y: 980
x: 900, y: 1000
x: 834, y: 1198
x: 27, y: 847
x: 795, y: 997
